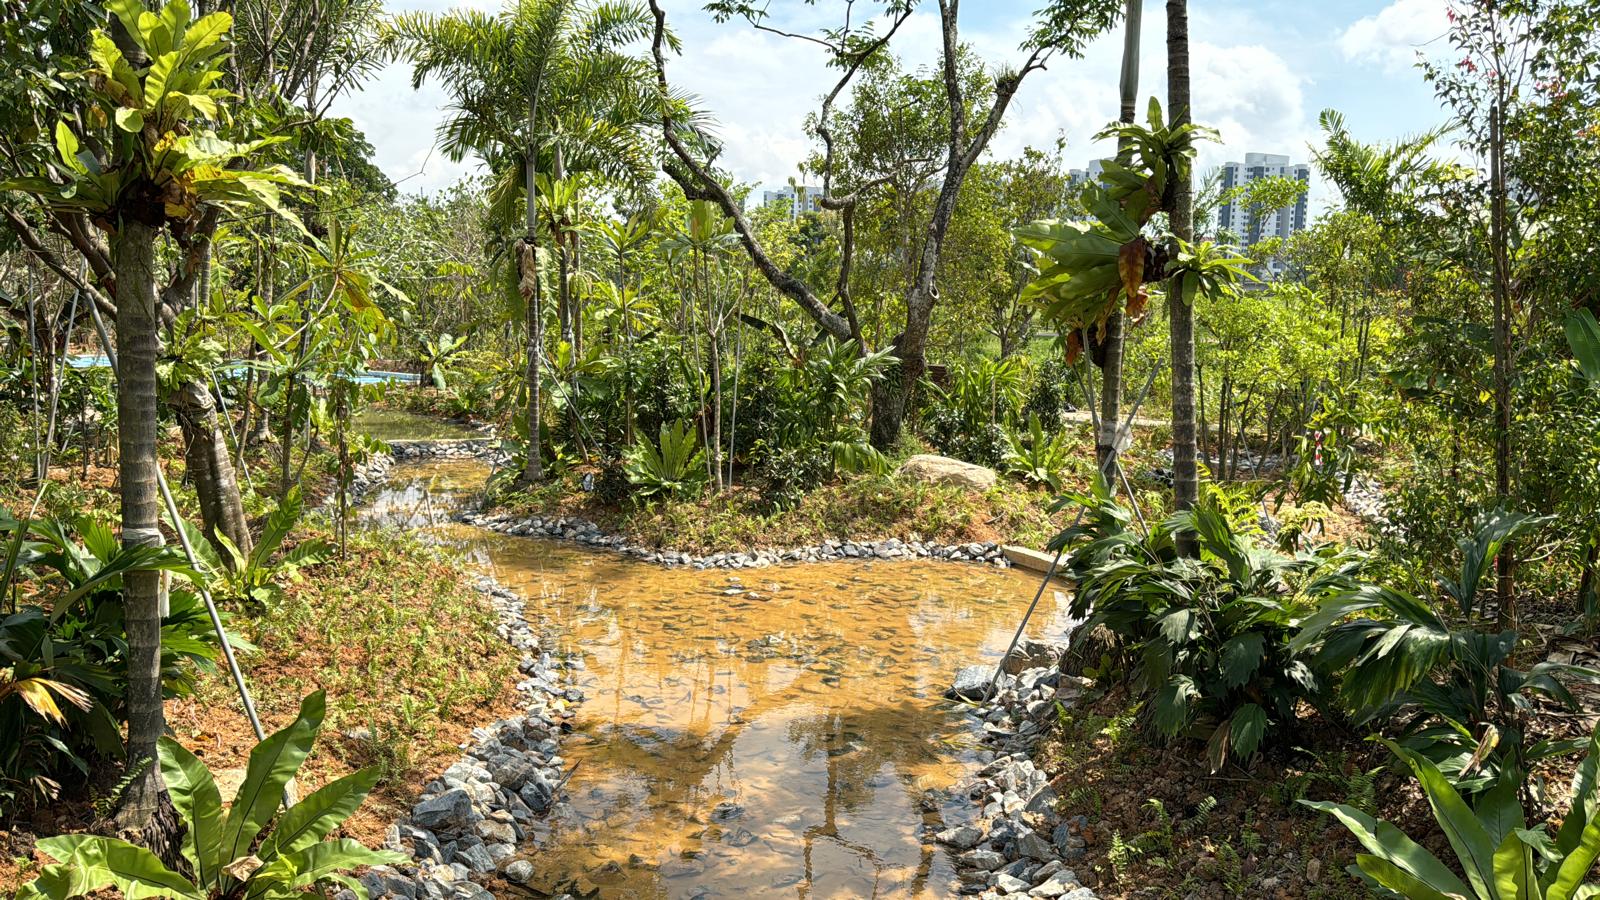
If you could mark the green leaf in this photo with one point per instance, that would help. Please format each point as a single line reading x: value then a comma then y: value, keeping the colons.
x: 1583, y: 334
x: 315, y: 817
x: 1514, y: 871
x: 1401, y: 882
x: 1465, y: 833
x: 1577, y: 866
x: 1178, y: 626
x: 1390, y: 843
x: 155, y: 81
x: 1584, y: 799
x: 130, y: 120
x: 92, y: 863
x: 196, y: 798
x: 67, y: 148
x: 1249, y: 725
x: 272, y: 763
x: 1171, y: 705
x: 1241, y: 656
x: 128, y: 13
x: 320, y: 861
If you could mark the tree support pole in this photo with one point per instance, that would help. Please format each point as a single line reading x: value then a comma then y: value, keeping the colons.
x: 1110, y: 463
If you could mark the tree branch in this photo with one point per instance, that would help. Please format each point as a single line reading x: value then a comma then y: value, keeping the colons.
x: 704, y: 186
x: 31, y: 240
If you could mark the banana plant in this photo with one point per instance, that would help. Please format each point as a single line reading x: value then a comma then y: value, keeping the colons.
x: 1497, y: 855
x: 232, y: 855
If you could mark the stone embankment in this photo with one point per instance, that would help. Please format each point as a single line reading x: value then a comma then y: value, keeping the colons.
x: 1018, y: 845
x: 589, y: 534
x: 469, y: 823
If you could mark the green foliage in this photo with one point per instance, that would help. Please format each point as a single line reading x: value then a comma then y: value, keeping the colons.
x: 147, y: 145
x: 1035, y: 457
x: 675, y: 469
x: 1089, y: 270
x: 230, y: 855
x: 1209, y: 637
x: 1499, y: 855
x: 1396, y: 652
x: 63, y: 669
x: 968, y: 418
x: 257, y: 577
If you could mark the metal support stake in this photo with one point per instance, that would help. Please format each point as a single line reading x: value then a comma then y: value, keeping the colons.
x: 1050, y: 573
x: 188, y: 550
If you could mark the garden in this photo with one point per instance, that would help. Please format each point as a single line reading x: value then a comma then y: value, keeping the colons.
x: 961, y: 526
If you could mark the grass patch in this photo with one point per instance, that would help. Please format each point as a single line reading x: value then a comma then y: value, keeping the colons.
x: 407, y: 652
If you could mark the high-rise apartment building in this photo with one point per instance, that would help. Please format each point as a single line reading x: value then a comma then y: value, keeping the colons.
x: 800, y: 199
x: 1253, y: 226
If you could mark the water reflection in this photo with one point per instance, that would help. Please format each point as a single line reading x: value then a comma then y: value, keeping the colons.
x: 768, y: 733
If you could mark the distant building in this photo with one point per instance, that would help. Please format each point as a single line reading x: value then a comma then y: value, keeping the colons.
x: 798, y: 198
x: 1236, y: 217
x: 1076, y: 178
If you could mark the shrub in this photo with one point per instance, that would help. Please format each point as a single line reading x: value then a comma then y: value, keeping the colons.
x: 63, y: 670
x: 676, y: 469
x: 1209, y: 638
x: 1395, y: 651
x: 1500, y: 856
x: 236, y: 855
x: 1037, y: 458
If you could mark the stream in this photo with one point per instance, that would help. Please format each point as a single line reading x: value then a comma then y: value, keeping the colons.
x: 776, y: 732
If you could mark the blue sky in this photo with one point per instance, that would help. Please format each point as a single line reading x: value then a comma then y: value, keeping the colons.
x: 1262, y: 69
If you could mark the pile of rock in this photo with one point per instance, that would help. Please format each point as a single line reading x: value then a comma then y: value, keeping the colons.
x: 462, y: 448
x: 469, y: 822
x: 1018, y: 845
x: 587, y: 533
x: 1365, y: 499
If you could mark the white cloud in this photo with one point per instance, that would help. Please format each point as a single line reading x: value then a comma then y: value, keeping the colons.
x: 1393, y: 36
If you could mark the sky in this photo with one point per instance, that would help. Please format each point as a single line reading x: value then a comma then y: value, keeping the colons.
x: 1263, y: 70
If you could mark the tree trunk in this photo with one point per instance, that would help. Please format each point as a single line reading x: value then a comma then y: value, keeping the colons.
x: 138, y: 320
x: 1185, y: 479
x: 206, y: 457
x: 1111, y: 372
x: 528, y: 258
x: 1506, y: 563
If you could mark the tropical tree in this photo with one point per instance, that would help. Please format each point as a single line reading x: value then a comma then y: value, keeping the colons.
x: 146, y: 157
x: 1064, y: 27
x: 542, y: 81
x: 1179, y: 205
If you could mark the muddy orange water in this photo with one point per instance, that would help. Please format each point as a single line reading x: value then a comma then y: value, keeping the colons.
x: 774, y: 732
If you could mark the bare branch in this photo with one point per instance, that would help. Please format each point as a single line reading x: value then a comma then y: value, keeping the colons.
x: 52, y: 260
x: 704, y: 186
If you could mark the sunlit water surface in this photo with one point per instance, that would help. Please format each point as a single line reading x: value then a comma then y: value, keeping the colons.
x: 775, y: 732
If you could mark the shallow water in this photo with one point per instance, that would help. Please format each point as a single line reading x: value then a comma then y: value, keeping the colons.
x: 398, y: 425
x: 773, y: 732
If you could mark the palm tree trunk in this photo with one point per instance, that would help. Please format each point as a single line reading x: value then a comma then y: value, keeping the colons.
x: 528, y: 282
x: 138, y: 321
x: 1185, y: 478
x: 1111, y: 372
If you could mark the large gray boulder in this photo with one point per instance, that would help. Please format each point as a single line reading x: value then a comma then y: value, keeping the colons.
x: 944, y: 470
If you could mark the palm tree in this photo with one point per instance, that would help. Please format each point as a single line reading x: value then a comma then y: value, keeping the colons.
x: 138, y: 108
x: 1180, y: 212
x: 541, y: 77
x: 1111, y: 369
